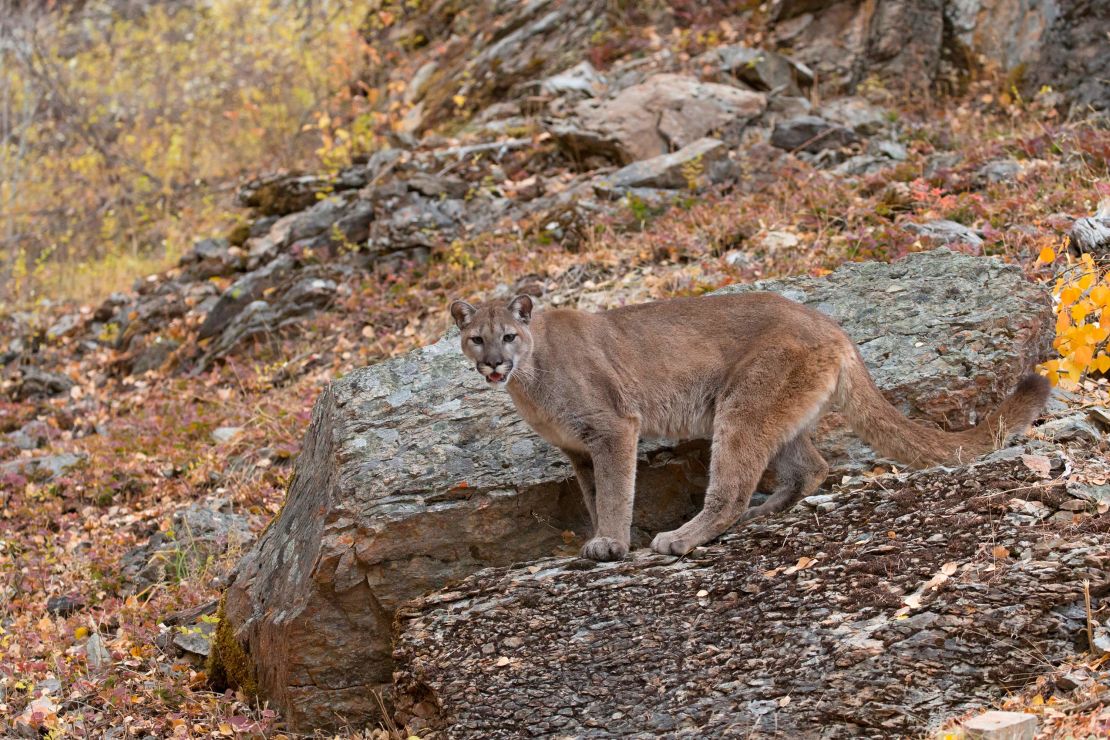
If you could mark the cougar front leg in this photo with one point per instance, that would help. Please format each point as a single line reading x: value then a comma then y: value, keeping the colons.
x: 614, y: 459
x: 584, y: 470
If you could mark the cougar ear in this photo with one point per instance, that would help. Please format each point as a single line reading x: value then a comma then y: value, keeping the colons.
x: 521, y: 308
x: 462, y: 312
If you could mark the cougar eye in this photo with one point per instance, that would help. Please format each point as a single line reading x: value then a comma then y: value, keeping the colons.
x: 508, y: 338
x: 476, y: 340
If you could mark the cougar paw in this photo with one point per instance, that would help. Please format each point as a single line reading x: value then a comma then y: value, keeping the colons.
x: 669, y: 543
x: 604, y: 548
x: 752, y: 514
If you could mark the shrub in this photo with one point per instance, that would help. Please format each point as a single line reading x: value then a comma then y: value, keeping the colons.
x: 1081, y: 300
x: 122, y: 135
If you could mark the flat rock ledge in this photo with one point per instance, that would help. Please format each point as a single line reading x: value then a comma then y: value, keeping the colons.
x: 901, y: 603
x: 414, y: 475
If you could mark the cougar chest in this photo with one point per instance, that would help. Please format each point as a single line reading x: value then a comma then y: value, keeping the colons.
x: 545, y: 425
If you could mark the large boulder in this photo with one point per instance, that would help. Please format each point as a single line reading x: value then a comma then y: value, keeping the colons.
x: 759, y: 68
x: 878, y: 610
x: 663, y: 113
x: 912, y: 45
x: 812, y: 134
x: 1074, y: 54
x: 693, y: 166
x: 847, y: 41
x: 414, y: 474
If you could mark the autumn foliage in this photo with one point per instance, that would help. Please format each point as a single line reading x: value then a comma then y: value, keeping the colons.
x: 1082, y: 305
x: 122, y: 135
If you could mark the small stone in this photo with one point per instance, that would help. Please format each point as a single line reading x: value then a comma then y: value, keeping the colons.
x: 223, y: 435
x: 812, y: 134
x: 47, y: 468
x: 778, y: 241
x: 946, y: 232
x: 49, y: 686
x: 889, y: 149
x: 66, y: 326
x: 1074, y: 427
x: 1002, y: 726
x: 738, y: 258
x: 581, y: 79
x: 1000, y: 170
x: 857, y: 114
x: 1073, y: 680
x: 63, y: 606
x: 1101, y: 641
x: 96, y: 654
x: 693, y: 166
x: 196, y: 639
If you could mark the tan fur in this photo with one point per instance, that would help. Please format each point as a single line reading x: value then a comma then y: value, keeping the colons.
x: 752, y: 372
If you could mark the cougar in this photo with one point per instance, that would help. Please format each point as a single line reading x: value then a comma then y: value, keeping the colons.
x: 752, y: 372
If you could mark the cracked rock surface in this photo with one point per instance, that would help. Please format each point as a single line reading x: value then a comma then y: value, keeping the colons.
x: 901, y: 602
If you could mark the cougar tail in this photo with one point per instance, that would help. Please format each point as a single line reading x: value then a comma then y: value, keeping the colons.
x: 891, y: 434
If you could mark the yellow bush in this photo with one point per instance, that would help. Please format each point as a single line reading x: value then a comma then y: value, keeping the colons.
x: 1082, y: 298
x: 122, y: 138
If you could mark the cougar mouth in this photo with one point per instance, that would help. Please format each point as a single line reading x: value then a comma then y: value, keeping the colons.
x: 494, y: 378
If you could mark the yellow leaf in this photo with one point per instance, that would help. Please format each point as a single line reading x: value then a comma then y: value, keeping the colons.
x: 1082, y: 356
x: 1069, y: 295
x: 1063, y: 321
x: 81, y: 633
x: 460, y: 100
x: 1102, y: 362
x: 1047, y: 255
x: 1000, y: 552
x: 1079, y: 312
x: 1038, y: 700
x: 1100, y: 296
x: 1087, y: 281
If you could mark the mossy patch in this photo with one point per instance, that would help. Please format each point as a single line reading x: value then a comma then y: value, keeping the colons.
x: 229, y: 665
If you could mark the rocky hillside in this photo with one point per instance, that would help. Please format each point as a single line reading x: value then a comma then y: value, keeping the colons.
x: 591, y: 154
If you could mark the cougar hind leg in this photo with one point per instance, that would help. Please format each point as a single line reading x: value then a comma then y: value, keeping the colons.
x: 799, y: 471
x: 759, y: 413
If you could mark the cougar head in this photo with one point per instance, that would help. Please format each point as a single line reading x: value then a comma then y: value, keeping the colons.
x: 495, y: 335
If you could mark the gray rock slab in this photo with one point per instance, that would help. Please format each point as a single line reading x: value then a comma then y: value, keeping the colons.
x: 879, y: 618
x: 693, y: 166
